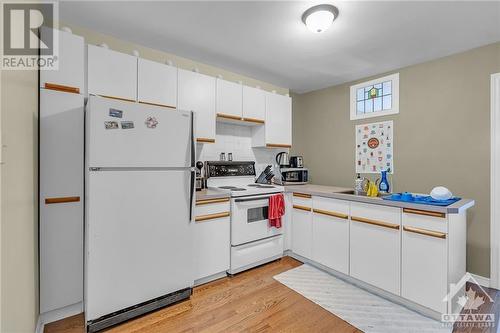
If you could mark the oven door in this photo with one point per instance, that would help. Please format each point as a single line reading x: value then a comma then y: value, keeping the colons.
x: 249, y: 219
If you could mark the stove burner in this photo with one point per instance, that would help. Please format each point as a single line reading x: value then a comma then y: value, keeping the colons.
x: 238, y: 189
x: 227, y: 187
x: 266, y: 186
x: 254, y: 185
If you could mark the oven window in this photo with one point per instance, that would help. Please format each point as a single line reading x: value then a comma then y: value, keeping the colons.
x: 257, y: 214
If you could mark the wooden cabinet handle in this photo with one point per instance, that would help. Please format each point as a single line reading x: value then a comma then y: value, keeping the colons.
x: 254, y: 120
x: 278, y: 145
x: 118, y: 98
x: 211, y: 216
x: 423, y: 212
x: 375, y: 222
x: 49, y: 201
x: 228, y: 116
x: 60, y: 87
x: 329, y: 213
x: 156, y: 104
x: 301, y: 195
x: 425, y: 232
x: 211, y: 201
x: 307, y: 209
x: 205, y: 140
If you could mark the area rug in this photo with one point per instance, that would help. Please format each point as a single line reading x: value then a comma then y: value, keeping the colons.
x: 364, y: 310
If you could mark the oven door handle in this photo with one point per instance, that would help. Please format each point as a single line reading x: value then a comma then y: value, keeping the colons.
x: 252, y: 199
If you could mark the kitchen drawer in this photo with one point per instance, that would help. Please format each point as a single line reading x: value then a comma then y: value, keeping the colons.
x: 332, y: 207
x: 380, y: 213
x: 425, y: 220
x: 302, y: 199
x: 212, y: 206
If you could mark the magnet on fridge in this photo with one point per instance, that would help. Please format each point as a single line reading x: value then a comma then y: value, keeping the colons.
x: 151, y: 122
x: 110, y: 125
x: 115, y: 113
x: 127, y: 124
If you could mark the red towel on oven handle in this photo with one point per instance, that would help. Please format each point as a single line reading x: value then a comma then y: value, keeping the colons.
x: 276, y: 210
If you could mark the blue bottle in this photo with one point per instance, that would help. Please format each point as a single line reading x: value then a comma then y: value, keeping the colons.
x: 383, y: 186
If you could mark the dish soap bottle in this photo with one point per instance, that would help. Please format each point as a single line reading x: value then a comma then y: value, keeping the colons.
x: 383, y: 186
x: 358, y: 185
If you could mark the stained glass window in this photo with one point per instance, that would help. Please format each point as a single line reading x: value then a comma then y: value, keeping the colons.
x: 374, y: 98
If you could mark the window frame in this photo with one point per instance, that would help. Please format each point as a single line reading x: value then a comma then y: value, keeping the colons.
x: 395, y: 97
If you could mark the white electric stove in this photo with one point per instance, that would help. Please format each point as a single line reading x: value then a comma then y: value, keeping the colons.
x: 253, y: 240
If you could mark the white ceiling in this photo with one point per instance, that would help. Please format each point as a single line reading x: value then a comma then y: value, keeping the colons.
x: 267, y: 40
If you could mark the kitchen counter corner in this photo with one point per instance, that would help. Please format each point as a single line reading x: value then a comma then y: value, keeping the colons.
x: 211, y: 193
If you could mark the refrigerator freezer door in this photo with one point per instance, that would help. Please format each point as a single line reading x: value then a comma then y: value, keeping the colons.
x: 61, y: 178
x: 139, y: 244
x: 128, y: 134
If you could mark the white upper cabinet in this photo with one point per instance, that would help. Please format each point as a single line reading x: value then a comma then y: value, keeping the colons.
x: 70, y: 63
x: 196, y: 92
x: 157, y: 83
x: 277, y: 133
x: 111, y: 73
x: 229, y: 99
x: 254, y: 104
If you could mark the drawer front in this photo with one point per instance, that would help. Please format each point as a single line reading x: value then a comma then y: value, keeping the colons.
x: 332, y: 207
x: 425, y: 220
x: 205, y: 208
x: 384, y: 214
x: 302, y: 199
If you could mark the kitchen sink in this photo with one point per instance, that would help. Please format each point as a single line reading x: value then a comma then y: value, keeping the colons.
x: 352, y: 192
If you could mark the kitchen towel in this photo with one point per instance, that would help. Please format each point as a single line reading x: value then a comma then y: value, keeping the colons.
x: 276, y: 210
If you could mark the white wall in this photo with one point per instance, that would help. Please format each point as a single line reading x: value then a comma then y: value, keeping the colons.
x: 236, y: 139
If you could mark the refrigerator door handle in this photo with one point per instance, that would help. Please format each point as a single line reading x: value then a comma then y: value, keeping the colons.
x: 193, y: 145
x: 191, y: 195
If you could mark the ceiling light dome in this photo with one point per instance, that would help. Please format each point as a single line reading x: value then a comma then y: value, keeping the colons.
x: 320, y: 17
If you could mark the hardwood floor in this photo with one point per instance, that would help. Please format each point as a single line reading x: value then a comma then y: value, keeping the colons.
x: 251, y: 301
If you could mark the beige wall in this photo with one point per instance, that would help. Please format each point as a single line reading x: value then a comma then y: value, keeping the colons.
x: 18, y: 217
x: 19, y: 231
x: 441, y: 136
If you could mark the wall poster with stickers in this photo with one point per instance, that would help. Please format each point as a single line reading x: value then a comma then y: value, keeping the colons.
x: 374, y: 147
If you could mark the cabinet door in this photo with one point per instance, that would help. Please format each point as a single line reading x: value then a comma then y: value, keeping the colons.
x: 424, y: 266
x: 287, y: 219
x: 61, y: 199
x: 278, y: 120
x: 302, y: 225
x: 375, y: 245
x: 70, y: 64
x: 330, y: 240
x: 229, y: 98
x: 196, y: 92
x: 111, y: 73
x: 254, y: 103
x: 157, y: 83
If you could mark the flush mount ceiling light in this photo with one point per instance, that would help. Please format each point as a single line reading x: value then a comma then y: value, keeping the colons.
x: 320, y: 17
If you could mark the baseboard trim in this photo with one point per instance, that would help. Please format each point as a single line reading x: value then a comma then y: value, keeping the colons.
x: 483, y: 281
x: 57, y: 314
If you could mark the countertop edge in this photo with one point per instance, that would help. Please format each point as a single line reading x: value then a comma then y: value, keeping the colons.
x: 206, y: 194
x: 456, y: 208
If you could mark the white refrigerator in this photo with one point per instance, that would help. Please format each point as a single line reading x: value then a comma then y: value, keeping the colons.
x: 139, y: 205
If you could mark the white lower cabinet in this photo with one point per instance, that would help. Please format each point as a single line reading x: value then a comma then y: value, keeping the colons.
x: 302, y: 225
x: 212, y: 237
x: 424, y: 271
x: 287, y: 222
x: 330, y: 233
x: 375, y: 237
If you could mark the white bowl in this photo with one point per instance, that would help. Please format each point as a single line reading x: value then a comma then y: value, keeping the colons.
x: 441, y: 193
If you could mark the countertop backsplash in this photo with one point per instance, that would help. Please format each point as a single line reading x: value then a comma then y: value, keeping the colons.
x: 237, y: 139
